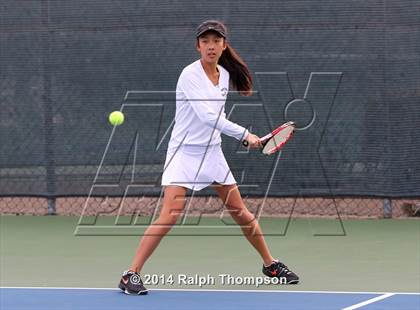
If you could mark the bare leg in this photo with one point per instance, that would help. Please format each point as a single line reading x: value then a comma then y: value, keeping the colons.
x: 173, y: 204
x: 233, y: 201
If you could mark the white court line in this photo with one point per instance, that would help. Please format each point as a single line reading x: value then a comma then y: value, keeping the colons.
x: 369, y: 301
x: 207, y: 290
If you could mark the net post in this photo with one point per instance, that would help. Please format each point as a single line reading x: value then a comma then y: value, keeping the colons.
x: 387, y: 208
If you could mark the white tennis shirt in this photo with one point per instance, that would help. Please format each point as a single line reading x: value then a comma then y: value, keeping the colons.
x: 200, y: 116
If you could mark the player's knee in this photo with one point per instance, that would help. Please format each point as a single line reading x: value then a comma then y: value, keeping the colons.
x: 168, y: 219
x: 237, y: 210
x: 242, y: 215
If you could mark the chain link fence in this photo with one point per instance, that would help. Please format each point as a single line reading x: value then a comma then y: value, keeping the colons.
x: 294, y: 207
x: 345, y: 71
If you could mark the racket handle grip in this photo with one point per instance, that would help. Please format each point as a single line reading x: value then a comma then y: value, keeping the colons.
x: 245, y: 143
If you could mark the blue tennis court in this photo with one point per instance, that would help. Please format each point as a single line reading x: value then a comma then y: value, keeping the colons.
x: 86, y: 298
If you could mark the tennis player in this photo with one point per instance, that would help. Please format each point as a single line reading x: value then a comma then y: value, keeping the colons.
x: 194, y: 158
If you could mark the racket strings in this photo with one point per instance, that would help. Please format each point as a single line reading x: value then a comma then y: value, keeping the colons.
x: 278, y: 140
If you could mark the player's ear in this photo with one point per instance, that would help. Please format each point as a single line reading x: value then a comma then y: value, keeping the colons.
x: 197, y: 45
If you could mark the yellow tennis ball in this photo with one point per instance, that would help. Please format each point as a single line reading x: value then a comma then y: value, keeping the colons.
x: 116, y: 118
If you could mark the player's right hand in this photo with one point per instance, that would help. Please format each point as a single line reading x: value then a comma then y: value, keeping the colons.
x: 253, y: 141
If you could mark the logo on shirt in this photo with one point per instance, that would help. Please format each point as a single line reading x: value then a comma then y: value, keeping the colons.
x: 224, y: 91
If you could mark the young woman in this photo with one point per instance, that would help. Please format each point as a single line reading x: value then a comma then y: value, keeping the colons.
x: 194, y: 158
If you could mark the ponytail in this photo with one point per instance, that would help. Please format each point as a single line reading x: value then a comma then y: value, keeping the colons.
x: 238, y: 71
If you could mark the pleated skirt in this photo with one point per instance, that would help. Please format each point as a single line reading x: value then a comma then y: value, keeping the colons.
x: 196, y: 167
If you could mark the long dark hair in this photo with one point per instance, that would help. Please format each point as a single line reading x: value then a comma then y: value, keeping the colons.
x: 238, y: 70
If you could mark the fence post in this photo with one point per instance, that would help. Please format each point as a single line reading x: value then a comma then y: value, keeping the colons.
x: 48, y: 111
x: 387, y: 206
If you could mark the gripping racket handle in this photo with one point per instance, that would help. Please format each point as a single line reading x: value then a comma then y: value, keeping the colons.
x: 246, y: 143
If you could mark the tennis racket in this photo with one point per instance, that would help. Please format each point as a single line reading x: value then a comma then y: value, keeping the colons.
x: 276, y: 139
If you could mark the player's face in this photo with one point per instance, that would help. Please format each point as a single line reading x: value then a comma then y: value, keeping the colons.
x: 211, y: 46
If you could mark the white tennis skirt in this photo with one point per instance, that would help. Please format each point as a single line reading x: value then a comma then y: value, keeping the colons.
x: 196, y: 167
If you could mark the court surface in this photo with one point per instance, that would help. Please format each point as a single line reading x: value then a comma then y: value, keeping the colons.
x: 375, y: 266
x: 81, y: 298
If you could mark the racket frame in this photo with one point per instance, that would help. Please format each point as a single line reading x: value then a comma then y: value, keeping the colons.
x: 264, y: 140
